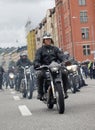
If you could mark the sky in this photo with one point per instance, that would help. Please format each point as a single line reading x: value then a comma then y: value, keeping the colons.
x: 13, y: 17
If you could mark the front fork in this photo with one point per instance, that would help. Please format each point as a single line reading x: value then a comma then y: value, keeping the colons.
x: 53, y: 84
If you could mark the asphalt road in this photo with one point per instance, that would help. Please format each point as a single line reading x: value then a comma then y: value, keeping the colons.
x: 17, y: 113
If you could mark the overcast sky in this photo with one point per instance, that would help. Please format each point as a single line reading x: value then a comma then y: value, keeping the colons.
x: 14, y: 15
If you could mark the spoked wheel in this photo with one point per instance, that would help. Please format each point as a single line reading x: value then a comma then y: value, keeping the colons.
x: 23, y: 88
x: 60, y: 99
x: 30, y: 89
x: 76, y: 82
x: 50, y: 103
x: 73, y: 87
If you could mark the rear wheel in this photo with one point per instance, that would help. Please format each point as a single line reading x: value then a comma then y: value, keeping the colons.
x: 60, y: 98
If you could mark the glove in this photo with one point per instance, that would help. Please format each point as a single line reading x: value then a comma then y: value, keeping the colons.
x: 36, y: 65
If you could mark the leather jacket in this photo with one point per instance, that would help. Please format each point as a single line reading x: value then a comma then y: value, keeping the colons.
x: 46, y: 54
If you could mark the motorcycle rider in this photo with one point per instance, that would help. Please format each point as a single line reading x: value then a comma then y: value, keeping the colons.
x: 23, y: 61
x: 44, y: 56
x: 72, y: 61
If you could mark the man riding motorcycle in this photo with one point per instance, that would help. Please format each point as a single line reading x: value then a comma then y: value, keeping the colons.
x: 23, y: 61
x: 44, y: 56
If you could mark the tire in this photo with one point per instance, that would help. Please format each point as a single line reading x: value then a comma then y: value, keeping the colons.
x: 30, y: 89
x: 23, y: 88
x: 76, y: 82
x: 80, y: 82
x: 73, y: 86
x: 50, y: 103
x: 60, y: 99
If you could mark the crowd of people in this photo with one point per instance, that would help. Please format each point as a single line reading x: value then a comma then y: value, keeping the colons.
x: 89, y: 69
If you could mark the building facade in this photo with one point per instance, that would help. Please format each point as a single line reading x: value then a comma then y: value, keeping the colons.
x: 31, y: 41
x: 48, y: 24
x: 31, y: 44
x: 76, y: 25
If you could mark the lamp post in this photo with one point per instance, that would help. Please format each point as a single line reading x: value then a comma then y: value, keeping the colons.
x: 93, y: 41
x: 73, y: 40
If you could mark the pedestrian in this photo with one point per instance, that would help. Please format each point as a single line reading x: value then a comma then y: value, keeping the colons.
x: 90, y: 67
x: 1, y: 76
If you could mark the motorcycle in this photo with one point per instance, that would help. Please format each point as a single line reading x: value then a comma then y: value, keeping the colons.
x: 53, y: 86
x: 26, y: 86
x: 73, y: 78
x: 11, y: 80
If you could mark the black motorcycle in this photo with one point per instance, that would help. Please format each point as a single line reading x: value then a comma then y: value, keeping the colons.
x: 53, y: 86
x: 26, y: 86
x: 11, y: 80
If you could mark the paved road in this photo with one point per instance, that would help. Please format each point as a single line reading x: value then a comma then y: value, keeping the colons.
x: 23, y: 114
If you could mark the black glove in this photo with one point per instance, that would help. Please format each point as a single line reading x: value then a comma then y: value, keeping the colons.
x: 36, y: 65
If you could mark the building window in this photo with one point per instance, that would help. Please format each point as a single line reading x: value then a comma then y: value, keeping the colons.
x: 83, y: 17
x: 38, y: 38
x: 86, y: 50
x: 82, y: 2
x: 85, y: 33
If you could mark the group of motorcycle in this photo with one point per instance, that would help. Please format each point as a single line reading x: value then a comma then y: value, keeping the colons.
x: 53, y: 86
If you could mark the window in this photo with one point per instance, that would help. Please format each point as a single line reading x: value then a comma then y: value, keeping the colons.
x: 86, y: 50
x: 83, y: 17
x: 38, y: 38
x: 82, y: 2
x: 85, y: 33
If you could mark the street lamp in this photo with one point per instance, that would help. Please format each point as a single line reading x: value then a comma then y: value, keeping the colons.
x: 73, y: 47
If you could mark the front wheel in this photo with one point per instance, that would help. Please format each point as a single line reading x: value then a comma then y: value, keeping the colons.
x: 30, y: 89
x: 60, y: 98
x: 76, y: 82
x: 72, y: 85
x: 23, y: 88
x: 50, y: 103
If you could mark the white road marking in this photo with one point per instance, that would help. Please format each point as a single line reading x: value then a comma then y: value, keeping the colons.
x: 24, y: 110
x: 10, y: 89
x: 13, y: 92
x: 16, y: 98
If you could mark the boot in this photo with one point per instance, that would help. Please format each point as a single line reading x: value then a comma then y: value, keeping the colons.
x: 40, y: 97
x: 66, y: 95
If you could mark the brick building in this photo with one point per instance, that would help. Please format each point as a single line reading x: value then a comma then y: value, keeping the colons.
x: 76, y: 27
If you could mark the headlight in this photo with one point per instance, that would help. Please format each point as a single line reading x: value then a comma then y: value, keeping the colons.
x: 11, y: 75
x: 69, y: 67
x: 27, y: 71
x: 74, y: 67
x: 54, y: 69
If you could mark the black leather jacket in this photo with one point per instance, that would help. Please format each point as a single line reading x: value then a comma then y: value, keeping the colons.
x: 46, y: 54
x: 21, y: 62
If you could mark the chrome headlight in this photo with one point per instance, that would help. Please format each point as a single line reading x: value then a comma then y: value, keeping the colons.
x: 74, y: 67
x: 69, y: 68
x: 54, y: 69
x: 11, y: 75
x: 27, y: 71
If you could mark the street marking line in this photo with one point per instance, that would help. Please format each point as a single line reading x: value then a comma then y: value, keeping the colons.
x: 16, y: 98
x: 13, y: 92
x: 11, y: 89
x: 24, y: 110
